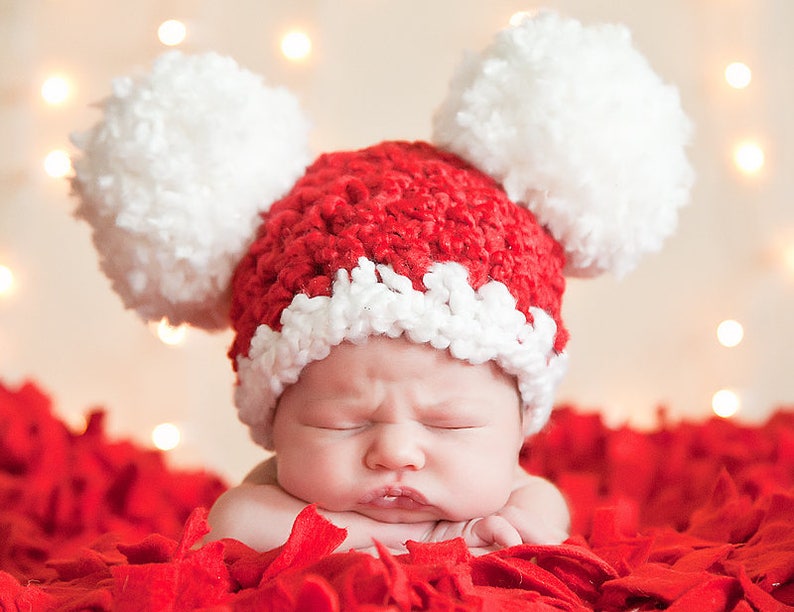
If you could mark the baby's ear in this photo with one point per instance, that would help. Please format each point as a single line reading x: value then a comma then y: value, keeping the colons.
x: 175, y: 175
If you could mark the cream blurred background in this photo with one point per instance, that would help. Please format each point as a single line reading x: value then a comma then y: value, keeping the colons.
x: 377, y: 69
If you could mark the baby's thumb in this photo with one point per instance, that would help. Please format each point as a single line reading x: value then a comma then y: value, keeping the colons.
x: 497, y: 531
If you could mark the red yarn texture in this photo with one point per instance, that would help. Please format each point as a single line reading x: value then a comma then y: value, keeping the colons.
x: 690, y: 517
x: 408, y: 205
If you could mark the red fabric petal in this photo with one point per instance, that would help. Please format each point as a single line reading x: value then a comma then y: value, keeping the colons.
x: 768, y: 556
x: 761, y: 599
x: 622, y: 551
x: 669, y: 545
x: 316, y: 595
x: 517, y: 573
x: 579, y: 569
x: 714, y: 595
x: 154, y: 548
x: 727, y: 517
x: 87, y: 563
x: 400, y: 586
x: 444, y: 554
x: 652, y: 584
x: 704, y: 559
x: 246, y: 566
x: 14, y: 596
x: 312, y: 538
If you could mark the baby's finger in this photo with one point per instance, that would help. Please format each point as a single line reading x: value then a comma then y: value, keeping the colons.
x: 496, y: 530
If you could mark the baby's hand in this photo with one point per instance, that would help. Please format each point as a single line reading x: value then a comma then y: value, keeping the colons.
x: 535, y: 513
x: 534, y: 527
x: 493, y: 531
x: 489, y: 533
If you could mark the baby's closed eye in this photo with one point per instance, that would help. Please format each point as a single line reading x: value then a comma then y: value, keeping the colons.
x: 452, y: 418
x: 454, y: 425
x: 336, y: 425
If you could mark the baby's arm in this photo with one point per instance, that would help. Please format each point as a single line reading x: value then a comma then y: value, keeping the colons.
x: 260, y: 513
x: 535, y: 513
x: 537, y: 510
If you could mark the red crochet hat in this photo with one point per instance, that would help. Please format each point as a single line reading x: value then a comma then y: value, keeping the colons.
x: 399, y: 239
x: 556, y: 150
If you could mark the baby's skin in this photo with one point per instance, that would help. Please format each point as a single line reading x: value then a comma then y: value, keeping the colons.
x: 396, y: 441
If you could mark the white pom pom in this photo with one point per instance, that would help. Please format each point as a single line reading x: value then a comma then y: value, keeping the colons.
x: 172, y: 180
x: 575, y: 125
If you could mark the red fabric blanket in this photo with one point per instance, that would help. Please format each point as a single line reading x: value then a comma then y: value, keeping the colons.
x: 691, y: 517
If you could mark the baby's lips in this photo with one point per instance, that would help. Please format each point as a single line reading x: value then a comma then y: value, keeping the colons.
x: 394, y: 496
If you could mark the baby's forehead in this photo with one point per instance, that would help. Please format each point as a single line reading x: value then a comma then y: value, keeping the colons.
x: 381, y: 358
x: 367, y: 373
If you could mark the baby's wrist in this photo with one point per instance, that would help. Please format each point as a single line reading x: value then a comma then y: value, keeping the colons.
x: 363, y: 530
x: 448, y: 530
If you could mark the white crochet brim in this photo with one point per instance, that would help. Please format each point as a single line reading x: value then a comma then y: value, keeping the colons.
x: 475, y: 326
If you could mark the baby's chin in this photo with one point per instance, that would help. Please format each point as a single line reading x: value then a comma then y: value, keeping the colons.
x: 423, y: 514
x: 401, y: 515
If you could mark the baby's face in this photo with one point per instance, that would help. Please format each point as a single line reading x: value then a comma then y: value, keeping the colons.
x: 399, y: 432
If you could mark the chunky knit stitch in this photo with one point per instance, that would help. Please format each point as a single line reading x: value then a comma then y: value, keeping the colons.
x: 407, y: 205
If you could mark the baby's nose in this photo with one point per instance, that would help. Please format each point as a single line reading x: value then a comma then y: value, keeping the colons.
x: 395, y: 447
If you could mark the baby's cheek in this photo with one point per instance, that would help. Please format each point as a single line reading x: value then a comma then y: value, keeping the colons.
x: 494, y: 497
x: 481, y: 490
x: 313, y: 478
x: 295, y: 474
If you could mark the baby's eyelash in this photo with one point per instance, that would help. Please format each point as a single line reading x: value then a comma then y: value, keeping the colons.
x: 342, y: 427
x: 453, y: 427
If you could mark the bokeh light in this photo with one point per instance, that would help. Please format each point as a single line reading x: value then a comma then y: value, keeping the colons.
x: 296, y: 45
x: 730, y: 333
x: 749, y: 157
x: 55, y: 90
x: 166, y: 436
x: 57, y: 163
x: 6, y: 280
x: 788, y: 258
x: 738, y: 75
x: 725, y: 403
x: 170, y: 334
x: 172, y: 32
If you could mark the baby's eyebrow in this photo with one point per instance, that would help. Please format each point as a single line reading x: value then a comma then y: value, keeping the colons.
x: 448, y: 409
x: 337, y: 405
x: 337, y: 389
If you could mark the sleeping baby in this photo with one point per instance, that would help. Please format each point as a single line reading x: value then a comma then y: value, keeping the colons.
x: 397, y: 339
x: 396, y: 441
x: 398, y: 332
